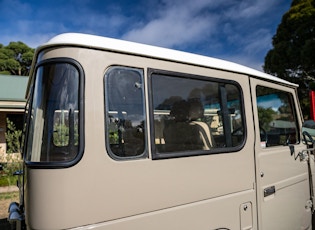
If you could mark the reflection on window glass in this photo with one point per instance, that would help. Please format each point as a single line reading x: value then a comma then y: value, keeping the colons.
x: 125, y: 117
x: 54, y: 114
x: 62, y: 128
x: 277, y: 121
x: 195, y: 115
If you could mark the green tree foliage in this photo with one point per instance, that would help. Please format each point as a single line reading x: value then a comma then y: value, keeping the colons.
x: 13, y: 138
x: 293, y: 54
x: 266, y: 115
x: 15, y: 58
x: 61, y: 135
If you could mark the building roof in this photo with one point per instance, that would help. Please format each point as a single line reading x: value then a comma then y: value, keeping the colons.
x: 12, y: 92
x: 103, y: 43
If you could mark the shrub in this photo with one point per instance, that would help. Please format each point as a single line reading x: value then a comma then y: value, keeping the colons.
x: 13, y: 138
x: 10, y: 163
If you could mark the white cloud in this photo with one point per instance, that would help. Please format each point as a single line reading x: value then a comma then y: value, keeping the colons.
x: 250, y: 9
x: 176, y: 24
x: 259, y: 41
x: 88, y: 19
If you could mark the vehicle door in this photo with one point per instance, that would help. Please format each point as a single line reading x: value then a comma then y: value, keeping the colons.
x: 281, y: 174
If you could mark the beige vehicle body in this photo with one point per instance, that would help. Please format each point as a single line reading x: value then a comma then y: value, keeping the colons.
x: 112, y: 142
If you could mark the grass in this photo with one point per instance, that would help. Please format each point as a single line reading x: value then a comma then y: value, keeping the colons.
x: 5, y: 200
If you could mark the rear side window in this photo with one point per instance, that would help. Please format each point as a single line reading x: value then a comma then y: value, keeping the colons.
x: 277, y: 118
x: 125, y: 118
x: 195, y: 115
x: 55, y: 130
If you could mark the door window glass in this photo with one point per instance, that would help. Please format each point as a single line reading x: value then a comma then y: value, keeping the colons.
x: 277, y: 118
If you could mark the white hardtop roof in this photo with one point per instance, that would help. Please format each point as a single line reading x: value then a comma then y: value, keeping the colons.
x: 104, y: 43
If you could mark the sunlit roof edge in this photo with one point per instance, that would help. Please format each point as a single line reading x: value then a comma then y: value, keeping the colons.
x: 155, y: 52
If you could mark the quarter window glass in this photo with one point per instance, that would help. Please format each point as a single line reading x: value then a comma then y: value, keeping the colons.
x: 277, y: 119
x: 193, y: 116
x: 125, y: 117
x: 54, y: 114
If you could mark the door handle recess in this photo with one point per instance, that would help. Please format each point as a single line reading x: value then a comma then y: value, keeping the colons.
x: 269, y: 191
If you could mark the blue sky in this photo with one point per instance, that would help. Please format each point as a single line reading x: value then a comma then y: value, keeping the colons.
x: 236, y: 30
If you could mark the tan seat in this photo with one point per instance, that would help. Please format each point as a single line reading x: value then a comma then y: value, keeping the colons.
x: 196, y: 112
x: 182, y: 134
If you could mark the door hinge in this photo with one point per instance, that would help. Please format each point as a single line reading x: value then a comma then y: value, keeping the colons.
x: 309, y: 205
